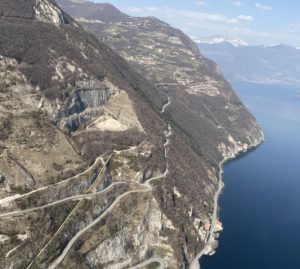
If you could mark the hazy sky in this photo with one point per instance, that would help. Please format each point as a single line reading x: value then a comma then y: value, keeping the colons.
x: 257, y: 22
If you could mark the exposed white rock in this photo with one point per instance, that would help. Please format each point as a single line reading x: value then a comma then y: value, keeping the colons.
x: 71, y: 67
x: 110, y: 250
x: 176, y: 192
x: 119, y: 265
x: 81, y: 19
x: 148, y: 236
x: 122, y: 108
x: 111, y: 125
x: 167, y: 223
x: 41, y: 103
x: 3, y: 238
x: 47, y: 12
x: 58, y: 72
x: 22, y: 236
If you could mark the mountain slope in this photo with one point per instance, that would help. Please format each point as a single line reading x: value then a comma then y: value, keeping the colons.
x: 277, y: 64
x: 88, y: 10
x: 96, y: 168
x: 170, y: 60
x: 204, y: 109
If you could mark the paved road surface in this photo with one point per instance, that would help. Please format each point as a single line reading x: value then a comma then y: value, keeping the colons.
x: 75, y: 197
x: 163, y: 263
x: 97, y: 220
x: 208, y: 247
x: 17, y: 196
x: 147, y: 188
x: 166, y: 105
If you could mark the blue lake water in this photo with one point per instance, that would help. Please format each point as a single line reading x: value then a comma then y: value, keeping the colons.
x: 260, y: 205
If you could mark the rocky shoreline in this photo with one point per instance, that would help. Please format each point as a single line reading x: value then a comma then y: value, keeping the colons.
x: 212, y: 242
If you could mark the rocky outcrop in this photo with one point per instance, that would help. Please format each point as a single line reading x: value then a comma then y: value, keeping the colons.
x: 85, y: 104
x: 112, y: 250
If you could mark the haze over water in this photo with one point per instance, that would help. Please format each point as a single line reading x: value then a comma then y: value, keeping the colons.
x: 260, y: 205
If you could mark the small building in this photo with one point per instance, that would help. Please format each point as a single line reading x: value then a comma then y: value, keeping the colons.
x: 207, y: 226
x: 218, y: 226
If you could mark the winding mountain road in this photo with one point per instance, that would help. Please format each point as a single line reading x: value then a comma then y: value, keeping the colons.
x: 166, y: 105
x: 145, y: 187
x: 163, y: 264
x: 10, y: 198
x: 148, y: 188
x: 18, y: 196
x: 208, y: 247
x: 94, y: 184
x: 75, y: 197
x: 97, y: 220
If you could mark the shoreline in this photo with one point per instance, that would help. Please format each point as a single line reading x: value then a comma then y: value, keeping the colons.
x: 210, y: 246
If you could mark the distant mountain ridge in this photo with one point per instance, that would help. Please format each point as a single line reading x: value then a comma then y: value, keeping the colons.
x: 277, y: 64
x: 235, y: 41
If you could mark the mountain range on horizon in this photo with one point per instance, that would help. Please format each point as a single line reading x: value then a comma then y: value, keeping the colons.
x: 218, y: 39
x: 235, y: 41
x: 276, y: 64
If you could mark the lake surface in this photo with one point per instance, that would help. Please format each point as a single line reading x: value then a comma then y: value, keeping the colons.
x: 260, y: 205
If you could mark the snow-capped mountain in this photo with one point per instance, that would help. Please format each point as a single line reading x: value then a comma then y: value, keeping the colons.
x: 272, y: 64
x: 234, y: 41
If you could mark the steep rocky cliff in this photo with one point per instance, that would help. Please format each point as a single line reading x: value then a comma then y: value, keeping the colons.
x: 100, y: 167
x: 172, y: 62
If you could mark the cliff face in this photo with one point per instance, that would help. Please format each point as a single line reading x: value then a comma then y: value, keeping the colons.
x: 172, y: 62
x: 101, y: 167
